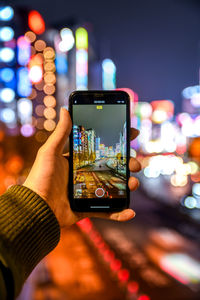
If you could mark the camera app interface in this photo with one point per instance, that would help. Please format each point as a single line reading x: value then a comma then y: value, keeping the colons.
x: 99, y: 150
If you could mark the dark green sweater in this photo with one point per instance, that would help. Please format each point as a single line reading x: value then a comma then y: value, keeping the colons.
x: 29, y: 230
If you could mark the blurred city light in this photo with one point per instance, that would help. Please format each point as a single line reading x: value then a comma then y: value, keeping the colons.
x: 108, y: 74
x: 35, y: 74
x: 6, y: 13
x: 27, y: 130
x: 36, y: 22
x: 24, y: 87
x: 7, y: 54
x: 24, y: 109
x: 24, y: 50
x: 6, y: 34
x: 190, y: 91
x: 196, y: 190
x: 7, y: 95
x: 40, y: 45
x: 30, y: 36
x: 195, y: 100
x: 81, y: 59
x: 190, y: 202
x: 8, y: 115
x: 61, y: 63
x: 81, y: 38
x: 7, y: 74
x: 67, y: 41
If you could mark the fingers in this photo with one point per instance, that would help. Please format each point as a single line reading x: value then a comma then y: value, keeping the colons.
x: 122, y: 216
x: 57, y: 139
x: 134, y: 165
x: 134, y: 133
x: 133, y: 183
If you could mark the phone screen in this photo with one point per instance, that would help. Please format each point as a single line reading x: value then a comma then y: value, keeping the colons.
x: 99, y: 151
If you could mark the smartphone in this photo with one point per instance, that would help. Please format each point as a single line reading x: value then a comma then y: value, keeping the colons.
x: 99, y: 150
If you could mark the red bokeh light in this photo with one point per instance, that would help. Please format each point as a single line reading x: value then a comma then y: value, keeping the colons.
x: 133, y: 287
x: 36, y: 22
x: 144, y: 297
x: 109, y: 255
x: 123, y: 275
x: 116, y: 265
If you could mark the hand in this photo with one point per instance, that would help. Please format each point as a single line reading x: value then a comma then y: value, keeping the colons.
x: 50, y: 173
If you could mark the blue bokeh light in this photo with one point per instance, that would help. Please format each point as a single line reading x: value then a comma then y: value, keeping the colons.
x: 24, y: 86
x: 6, y: 34
x: 7, y: 74
x: 7, y: 54
x: 6, y: 13
x: 7, y: 95
x: 7, y: 115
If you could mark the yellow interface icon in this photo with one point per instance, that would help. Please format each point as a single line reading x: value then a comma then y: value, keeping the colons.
x: 99, y: 107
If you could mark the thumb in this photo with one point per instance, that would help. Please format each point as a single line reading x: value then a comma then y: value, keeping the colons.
x: 57, y: 139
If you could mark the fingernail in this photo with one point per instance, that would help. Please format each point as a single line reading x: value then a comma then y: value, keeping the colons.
x: 65, y: 107
x: 133, y: 214
x: 127, y: 216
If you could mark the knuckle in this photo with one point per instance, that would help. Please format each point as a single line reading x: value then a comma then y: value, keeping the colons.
x: 41, y: 150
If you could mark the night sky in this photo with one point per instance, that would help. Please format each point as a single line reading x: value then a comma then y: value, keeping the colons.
x: 154, y: 43
x: 106, y: 127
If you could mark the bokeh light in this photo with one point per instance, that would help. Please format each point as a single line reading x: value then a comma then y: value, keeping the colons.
x: 41, y: 136
x: 7, y: 74
x: 39, y: 110
x: 27, y: 130
x: 49, y: 113
x: 6, y: 33
x: 49, y: 78
x: 50, y: 101
x: 49, y: 125
x: 49, y: 53
x: 7, y: 115
x: 40, y: 45
x: 7, y: 95
x: 30, y: 36
x: 7, y: 54
x: 6, y: 13
x: 35, y: 74
x: 36, y: 22
x: 67, y: 41
x: 40, y: 123
x: 49, y: 67
x: 49, y: 89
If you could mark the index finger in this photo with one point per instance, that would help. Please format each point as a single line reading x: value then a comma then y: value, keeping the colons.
x: 122, y: 216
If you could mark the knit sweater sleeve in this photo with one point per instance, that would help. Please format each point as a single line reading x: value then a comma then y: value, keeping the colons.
x: 29, y: 230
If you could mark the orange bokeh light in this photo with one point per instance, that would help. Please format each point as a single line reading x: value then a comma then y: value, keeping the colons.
x: 49, y: 67
x: 49, y: 78
x: 49, y: 89
x: 49, y: 113
x: 49, y: 125
x: 40, y: 45
x: 15, y: 164
x: 50, y: 101
x: 31, y: 36
x: 41, y: 136
x: 39, y: 110
x: 49, y: 53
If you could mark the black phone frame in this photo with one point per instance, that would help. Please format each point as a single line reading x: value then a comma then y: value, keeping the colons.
x: 100, y: 204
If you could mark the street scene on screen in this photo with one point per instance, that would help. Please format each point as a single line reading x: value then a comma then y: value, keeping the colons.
x: 99, y: 151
